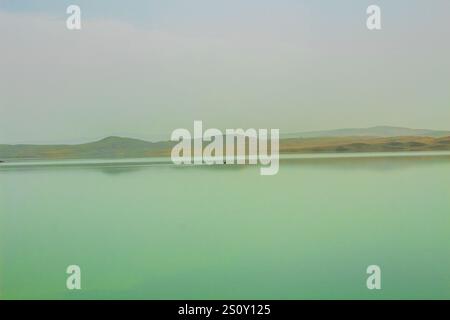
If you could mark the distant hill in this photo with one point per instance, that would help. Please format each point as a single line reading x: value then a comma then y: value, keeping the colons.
x: 110, y: 147
x: 375, y: 139
x: 379, y: 131
x: 363, y: 144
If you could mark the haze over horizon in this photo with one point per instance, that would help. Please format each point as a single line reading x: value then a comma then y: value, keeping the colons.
x: 145, y: 68
x: 376, y: 131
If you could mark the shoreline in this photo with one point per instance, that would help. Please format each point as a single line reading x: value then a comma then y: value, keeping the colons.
x: 17, y: 163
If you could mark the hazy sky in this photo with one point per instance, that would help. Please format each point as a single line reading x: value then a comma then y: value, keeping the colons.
x: 144, y: 68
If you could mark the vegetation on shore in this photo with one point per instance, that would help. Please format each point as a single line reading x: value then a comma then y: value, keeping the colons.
x: 118, y: 147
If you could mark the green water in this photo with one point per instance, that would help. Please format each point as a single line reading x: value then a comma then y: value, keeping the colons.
x: 158, y: 231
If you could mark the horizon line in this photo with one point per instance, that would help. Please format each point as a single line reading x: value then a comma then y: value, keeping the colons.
x: 93, y: 140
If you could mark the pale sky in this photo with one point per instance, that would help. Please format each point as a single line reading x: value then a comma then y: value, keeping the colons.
x: 144, y: 68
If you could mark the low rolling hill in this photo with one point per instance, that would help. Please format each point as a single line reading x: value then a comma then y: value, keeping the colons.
x: 119, y: 147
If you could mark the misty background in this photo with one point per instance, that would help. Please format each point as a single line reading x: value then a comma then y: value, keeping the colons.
x: 144, y: 68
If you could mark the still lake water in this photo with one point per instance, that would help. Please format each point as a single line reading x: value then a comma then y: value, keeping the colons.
x: 158, y: 231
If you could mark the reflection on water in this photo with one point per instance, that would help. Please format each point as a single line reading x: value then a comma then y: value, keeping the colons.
x: 159, y: 231
x: 369, y: 161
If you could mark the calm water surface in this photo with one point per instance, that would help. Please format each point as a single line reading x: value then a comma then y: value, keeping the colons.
x: 158, y: 231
